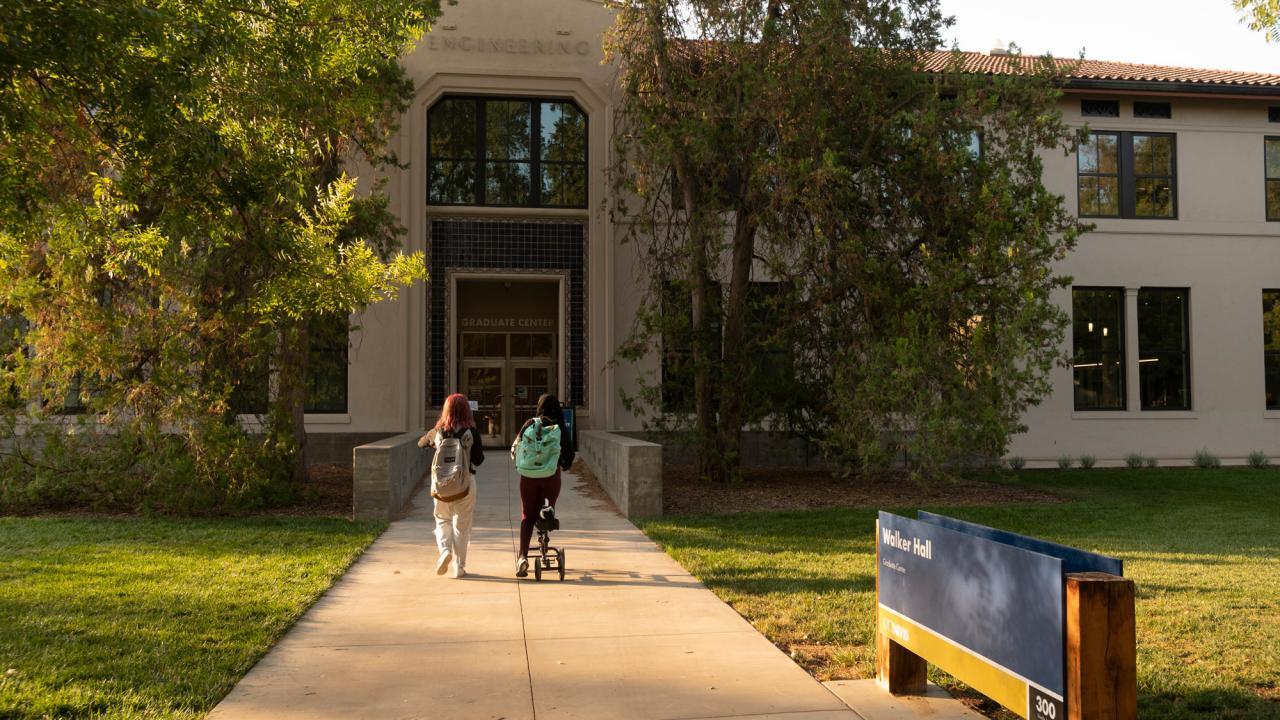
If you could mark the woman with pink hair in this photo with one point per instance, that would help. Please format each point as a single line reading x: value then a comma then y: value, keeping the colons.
x: 454, y: 511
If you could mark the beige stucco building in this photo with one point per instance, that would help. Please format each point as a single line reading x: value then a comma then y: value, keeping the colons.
x: 531, y: 288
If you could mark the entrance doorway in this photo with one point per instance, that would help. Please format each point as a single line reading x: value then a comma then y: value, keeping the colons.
x: 507, y: 351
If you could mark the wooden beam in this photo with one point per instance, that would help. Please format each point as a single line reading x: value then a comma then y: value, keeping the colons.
x: 1102, y: 667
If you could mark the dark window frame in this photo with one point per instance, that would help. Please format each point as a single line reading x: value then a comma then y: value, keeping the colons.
x: 1122, y: 311
x: 1185, y: 351
x: 1153, y: 110
x: 1128, y: 178
x: 1267, y: 179
x: 1100, y: 108
x: 1268, y: 353
x: 536, y: 161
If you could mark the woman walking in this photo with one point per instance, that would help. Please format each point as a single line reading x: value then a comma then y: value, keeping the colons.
x: 453, y: 485
x: 548, y: 448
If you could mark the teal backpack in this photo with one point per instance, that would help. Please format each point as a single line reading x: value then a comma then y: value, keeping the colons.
x: 537, y: 450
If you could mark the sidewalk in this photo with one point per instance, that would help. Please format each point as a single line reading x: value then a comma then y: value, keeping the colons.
x: 628, y: 634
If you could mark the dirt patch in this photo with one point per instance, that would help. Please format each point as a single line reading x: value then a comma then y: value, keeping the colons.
x: 782, y: 488
x: 327, y: 493
x: 590, y: 488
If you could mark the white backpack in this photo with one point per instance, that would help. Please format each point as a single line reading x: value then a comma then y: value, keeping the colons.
x: 451, y: 467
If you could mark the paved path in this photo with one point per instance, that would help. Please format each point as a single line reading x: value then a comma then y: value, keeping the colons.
x: 628, y: 634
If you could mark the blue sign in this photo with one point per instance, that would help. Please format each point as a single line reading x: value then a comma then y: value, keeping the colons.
x: 989, y: 613
x: 568, y: 423
x: 1073, y: 560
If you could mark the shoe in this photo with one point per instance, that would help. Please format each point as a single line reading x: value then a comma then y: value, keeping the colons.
x: 459, y: 573
x: 442, y: 565
x: 522, y: 567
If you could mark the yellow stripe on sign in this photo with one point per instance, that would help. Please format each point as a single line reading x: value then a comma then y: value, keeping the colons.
x: 990, y: 680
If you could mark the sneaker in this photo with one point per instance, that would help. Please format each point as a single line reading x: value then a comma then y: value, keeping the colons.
x: 459, y: 573
x: 522, y: 567
x: 442, y: 565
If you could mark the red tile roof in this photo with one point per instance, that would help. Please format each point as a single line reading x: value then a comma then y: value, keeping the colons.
x: 1103, y: 70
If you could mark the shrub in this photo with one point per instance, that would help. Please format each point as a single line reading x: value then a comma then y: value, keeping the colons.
x: 1204, y: 459
x: 211, y: 467
x: 1065, y: 462
x: 1134, y: 461
x: 1258, y: 460
x: 1016, y: 462
x: 1087, y: 462
x: 1152, y: 462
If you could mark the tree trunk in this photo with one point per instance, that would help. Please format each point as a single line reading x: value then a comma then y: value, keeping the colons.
x: 737, y: 355
x: 699, y: 237
x: 290, y: 401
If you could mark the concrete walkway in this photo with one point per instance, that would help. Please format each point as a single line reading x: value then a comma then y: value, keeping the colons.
x: 628, y: 634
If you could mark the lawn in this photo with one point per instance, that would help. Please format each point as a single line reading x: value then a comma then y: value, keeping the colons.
x: 150, y: 618
x: 1203, y: 547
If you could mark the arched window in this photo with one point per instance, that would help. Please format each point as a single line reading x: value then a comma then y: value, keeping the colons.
x: 507, y: 153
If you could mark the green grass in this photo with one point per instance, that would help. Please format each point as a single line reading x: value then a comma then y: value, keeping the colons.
x: 143, y: 618
x: 1203, y: 547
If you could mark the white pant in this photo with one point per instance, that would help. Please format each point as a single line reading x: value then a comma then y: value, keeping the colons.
x: 453, y: 526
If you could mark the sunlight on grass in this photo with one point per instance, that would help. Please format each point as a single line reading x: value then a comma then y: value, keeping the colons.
x: 1203, y: 547
x: 148, y: 618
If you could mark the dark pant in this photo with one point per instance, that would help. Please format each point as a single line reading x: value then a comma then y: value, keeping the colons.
x: 532, y: 492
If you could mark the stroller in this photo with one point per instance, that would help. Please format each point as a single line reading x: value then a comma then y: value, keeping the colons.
x: 546, y: 557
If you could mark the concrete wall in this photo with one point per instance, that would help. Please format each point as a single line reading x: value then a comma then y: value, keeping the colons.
x: 386, y: 473
x: 628, y: 469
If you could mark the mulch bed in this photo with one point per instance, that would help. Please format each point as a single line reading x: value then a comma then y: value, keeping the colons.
x: 803, y: 488
x: 327, y: 494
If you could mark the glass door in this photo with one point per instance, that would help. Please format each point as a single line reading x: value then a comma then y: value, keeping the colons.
x: 528, y: 383
x: 483, y: 383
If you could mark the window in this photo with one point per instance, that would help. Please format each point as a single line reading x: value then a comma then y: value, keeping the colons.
x: 507, y: 152
x: 1164, y: 363
x: 1097, y: 339
x: 1125, y: 174
x: 1271, y: 346
x: 327, y: 365
x: 1271, y: 152
x: 1273, y: 113
x: 326, y: 373
x: 677, y: 343
x: 1098, y: 165
x: 1158, y: 110
x: 1100, y: 108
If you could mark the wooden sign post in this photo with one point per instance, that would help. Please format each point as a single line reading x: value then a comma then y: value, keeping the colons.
x: 1102, y: 666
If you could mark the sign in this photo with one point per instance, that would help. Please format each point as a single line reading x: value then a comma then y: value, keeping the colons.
x: 1073, y: 559
x: 508, y: 46
x: 475, y: 405
x: 569, y: 423
x: 989, y: 613
x: 507, y: 323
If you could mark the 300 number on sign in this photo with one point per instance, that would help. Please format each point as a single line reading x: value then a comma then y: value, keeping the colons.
x: 1044, y: 707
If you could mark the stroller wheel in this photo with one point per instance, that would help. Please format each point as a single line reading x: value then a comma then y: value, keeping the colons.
x: 537, y: 570
x: 560, y: 561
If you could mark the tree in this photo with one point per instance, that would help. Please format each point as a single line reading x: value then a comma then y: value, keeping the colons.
x: 804, y: 144
x: 175, y: 204
x: 1261, y: 15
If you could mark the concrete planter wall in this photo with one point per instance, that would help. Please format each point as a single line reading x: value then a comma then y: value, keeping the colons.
x: 629, y: 470
x: 385, y: 474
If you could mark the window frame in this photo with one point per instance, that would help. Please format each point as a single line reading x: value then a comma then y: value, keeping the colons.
x: 536, y: 162
x: 1185, y: 352
x: 1268, y: 179
x: 1122, y: 352
x: 1267, y: 353
x: 1128, y: 178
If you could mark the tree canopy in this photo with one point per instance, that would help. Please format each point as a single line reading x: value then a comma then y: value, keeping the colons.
x: 839, y: 243
x: 178, y: 204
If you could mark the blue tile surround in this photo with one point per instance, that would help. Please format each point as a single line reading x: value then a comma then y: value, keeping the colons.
x: 522, y: 245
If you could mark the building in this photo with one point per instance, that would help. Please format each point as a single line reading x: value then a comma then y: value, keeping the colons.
x: 531, y: 291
